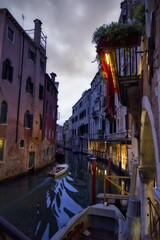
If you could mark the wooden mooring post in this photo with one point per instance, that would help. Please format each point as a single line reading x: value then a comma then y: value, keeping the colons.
x: 93, y: 180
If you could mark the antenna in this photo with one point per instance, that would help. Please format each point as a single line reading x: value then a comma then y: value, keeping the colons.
x: 23, y: 20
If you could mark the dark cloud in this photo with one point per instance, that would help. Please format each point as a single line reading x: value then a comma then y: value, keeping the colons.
x: 69, y: 26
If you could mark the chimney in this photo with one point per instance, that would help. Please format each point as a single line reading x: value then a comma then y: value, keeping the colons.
x: 53, y: 76
x: 57, y: 85
x: 37, y: 31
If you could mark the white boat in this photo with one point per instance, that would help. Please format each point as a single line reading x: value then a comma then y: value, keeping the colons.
x: 58, y: 170
x: 95, y: 222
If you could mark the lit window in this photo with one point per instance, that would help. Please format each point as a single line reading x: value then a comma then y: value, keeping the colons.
x: 1, y: 149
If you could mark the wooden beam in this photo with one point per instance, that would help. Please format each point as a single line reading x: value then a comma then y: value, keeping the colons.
x: 117, y: 185
x: 112, y: 196
x: 121, y: 177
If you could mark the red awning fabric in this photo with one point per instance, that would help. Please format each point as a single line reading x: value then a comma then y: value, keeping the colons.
x: 110, y: 88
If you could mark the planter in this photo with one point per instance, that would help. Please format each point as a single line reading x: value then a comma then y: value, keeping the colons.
x: 117, y: 35
x: 129, y: 42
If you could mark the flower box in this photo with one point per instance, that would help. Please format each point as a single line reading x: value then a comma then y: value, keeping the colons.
x: 129, y: 42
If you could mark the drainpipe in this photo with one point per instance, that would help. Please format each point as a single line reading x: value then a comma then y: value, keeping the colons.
x: 20, y: 87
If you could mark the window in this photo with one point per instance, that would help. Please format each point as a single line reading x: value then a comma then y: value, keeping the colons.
x: 40, y: 91
x: 21, y: 143
x: 41, y: 122
x: 7, y: 71
x: 3, y: 112
x: 29, y: 85
x: 28, y: 120
x: 32, y: 55
x: 2, y: 149
x: 10, y: 35
x: 42, y: 65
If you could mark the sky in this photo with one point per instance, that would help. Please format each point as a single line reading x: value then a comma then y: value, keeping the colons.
x: 69, y: 26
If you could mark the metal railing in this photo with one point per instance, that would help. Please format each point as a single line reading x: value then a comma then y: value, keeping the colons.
x: 154, y: 221
x: 123, y: 194
x: 9, y: 232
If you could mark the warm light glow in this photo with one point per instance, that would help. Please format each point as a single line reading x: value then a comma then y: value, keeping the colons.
x: 108, y: 59
x: 105, y: 172
x: 1, y: 143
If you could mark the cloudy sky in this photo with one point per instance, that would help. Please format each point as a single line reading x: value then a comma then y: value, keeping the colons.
x: 69, y: 26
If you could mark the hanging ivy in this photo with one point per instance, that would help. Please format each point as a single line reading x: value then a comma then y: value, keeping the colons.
x: 139, y: 14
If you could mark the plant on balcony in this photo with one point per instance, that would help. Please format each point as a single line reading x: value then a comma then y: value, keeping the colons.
x: 139, y: 14
x: 117, y: 35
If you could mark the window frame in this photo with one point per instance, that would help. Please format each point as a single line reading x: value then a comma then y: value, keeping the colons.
x: 41, y: 91
x: 7, y: 70
x: 32, y: 55
x: 28, y: 120
x: 29, y: 85
x: 3, y: 112
x: 10, y: 31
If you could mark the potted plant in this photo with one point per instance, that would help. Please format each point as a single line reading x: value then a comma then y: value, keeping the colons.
x: 117, y: 35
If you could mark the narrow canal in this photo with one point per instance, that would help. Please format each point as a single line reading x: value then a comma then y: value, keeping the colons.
x: 39, y: 205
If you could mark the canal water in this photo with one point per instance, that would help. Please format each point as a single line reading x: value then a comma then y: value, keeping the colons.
x: 39, y: 205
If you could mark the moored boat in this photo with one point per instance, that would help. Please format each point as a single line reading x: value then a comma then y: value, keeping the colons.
x: 58, y: 170
x: 95, y: 222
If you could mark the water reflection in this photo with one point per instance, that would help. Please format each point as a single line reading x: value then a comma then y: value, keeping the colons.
x: 39, y: 205
x: 56, y: 209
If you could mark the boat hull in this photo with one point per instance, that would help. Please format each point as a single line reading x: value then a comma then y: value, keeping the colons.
x: 96, y: 222
x: 58, y: 170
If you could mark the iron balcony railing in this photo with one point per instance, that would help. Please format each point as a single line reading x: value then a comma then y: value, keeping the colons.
x: 154, y: 217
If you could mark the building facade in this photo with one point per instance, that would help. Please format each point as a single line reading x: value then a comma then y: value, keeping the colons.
x: 59, y: 135
x: 22, y: 78
x: 81, y: 123
x: 136, y: 65
x: 50, y: 117
x: 92, y: 130
x: 98, y: 121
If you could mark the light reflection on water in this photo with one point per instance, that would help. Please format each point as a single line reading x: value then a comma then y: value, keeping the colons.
x: 58, y: 207
x: 63, y: 201
x: 39, y: 205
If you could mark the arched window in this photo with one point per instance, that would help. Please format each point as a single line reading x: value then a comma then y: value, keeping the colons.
x: 7, y: 71
x: 29, y: 85
x: 4, y: 109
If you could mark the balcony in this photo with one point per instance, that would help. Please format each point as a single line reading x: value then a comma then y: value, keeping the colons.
x: 117, y: 45
x: 119, y: 137
x: 128, y: 79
